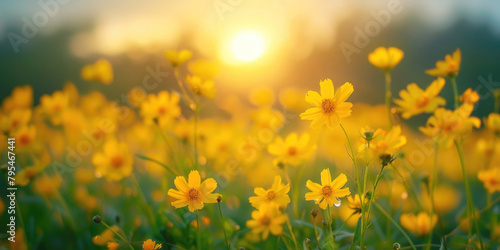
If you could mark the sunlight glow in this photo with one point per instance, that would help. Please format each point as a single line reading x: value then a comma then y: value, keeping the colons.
x: 248, y: 46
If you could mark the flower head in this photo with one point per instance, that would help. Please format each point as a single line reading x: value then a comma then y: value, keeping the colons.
x: 265, y: 220
x: 54, y: 106
x: 386, y: 58
x: 193, y: 193
x: 383, y: 146
x: 419, y: 225
x: 24, y: 135
x: 20, y: 98
x: 47, y: 185
x: 416, y: 101
x: 162, y: 107
x: 100, y: 71
x: 490, y: 179
x: 204, y: 69
x: 329, y: 192
x: 330, y: 106
x: 493, y: 123
x: 355, y: 203
x: 201, y: 87
x: 177, y: 58
x: 469, y: 97
x: 150, y: 245
x: 277, y: 195
x: 449, y: 67
x: 293, y: 150
x: 114, y: 162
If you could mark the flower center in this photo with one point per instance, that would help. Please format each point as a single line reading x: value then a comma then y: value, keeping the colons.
x: 271, y: 195
x: 193, y: 194
x: 423, y: 101
x: 265, y: 220
x: 116, y: 161
x: 327, y: 190
x: 24, y: 140
x: 328, y: 106
x: 292, y: 151
x: 162, y: 110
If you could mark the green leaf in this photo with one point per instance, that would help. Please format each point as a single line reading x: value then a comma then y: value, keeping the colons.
x: 357, y: 234
x: 143, y: 157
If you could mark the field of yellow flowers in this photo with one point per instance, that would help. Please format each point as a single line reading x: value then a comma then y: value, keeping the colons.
x: 162, y: 172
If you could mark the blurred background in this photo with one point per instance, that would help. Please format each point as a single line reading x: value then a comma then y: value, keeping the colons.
x: 256, y: 43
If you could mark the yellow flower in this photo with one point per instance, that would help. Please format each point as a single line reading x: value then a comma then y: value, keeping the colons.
x: 24, y: 176
x: 113, y: 245
x: 276, y: 195
x: 268, y: 219
x: 330, y: 106
x: 262, y: 96
x: 177, y: 58
x: 446, y: 198
x: 449, y: 67
x: 20, y: 98
x: 292, y: 99
x: 201, y: 87
x: 85, y: 200
x: 24, y: 136
x: 106, y: 236
x: 355, y: 203
x: 446, y: 125
x: 163, y: 107
x: 329, y: 192
x: 390, y: 142
x: 493, y: 123
x: 47, y: 186
x: 193, y: 193
x: 293, y: 150
x: 115, y: 162
x: 100, y: 71
x: 469, y: 97
x: 14, y: 120
x: 417, y: 101
x: 386, y: 58
x: 204, y: 69
x: 490, y: 179
x: 54, y: 106
x: 150, y: 245
x: 419, y: 225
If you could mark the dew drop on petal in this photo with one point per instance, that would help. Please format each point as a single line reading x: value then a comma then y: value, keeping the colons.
x: 337, y: 202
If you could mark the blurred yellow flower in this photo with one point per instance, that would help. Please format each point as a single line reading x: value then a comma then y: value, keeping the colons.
x: 446, y: 198
x: 85, y: 200
x: 449, y: 67
x: 330, y: 106
x: 262, y: 96
x: 54, y: 106
x: 469, y: 97
x: 113, y: 245
x: 150, y: 245
x: 14, y: 120
x: 193, y: 193
x: 416, y: 101
x: 419, y: 225
x: 101, y: 71
x: 24, y: 176
x: 292, y: 99
x: 446, y: 125
x: 293, y: 150
x: 386, y: 58
x: 204, y: 68
x: 47, y: 185
x: 201, y: 87
x: 355, y: 203
x: 490, y: 179
x: 114, y: 162
x: 177, y: 58
x: 105, y: 237
x: 162, y: 107
x: 493, y: 123
x: 20, y: 98
x: 24, y: 136
x: 329, y: 192
x: 267, y: 219
x: 388, y: 143
x: 277, y: 195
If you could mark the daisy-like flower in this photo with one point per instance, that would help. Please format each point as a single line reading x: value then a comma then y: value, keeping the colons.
x: 419, y: 225
x: 277, y: 195
x: 54, y: 106
x: 493, y: 123
x: 115, y: 162
x: 449, y: 67
x: 329, y: 192
x: 469, y: 97
x: 20, y: 98
x: 150, y: 245
x: 204, y: 68
x: 446, y: 125
x: 355, y: 203
x: 386, y: 58
x: 416, y: 101
x: 162, y: 107
x: 14, y: 120
x: 293, y: 150
x: 193, y: 193
x: 201, y: 87
x: 490, y: 179
x: 24, y: 136
x: 101, y: 71
x: 177, y: 58
x: 330, y: 106
x: 383, y: 146
x: 267, y: 219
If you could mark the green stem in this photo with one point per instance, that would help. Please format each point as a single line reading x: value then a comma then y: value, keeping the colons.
x: 223, y: 228
x: 196, y: 117
x: 389, y: 217
x: 364, y: 220
x: 471, y: 214
x: 388, y: 94
x: 316, y: 233
x: 146, y: 206
x: 455, y: 91
x: 198, y: 225
x: 330, y: 227
x: 291, y: 231
x: 117, y: 234
x: 431, y: 191
x: 353, y: 157
x: 492, y: 215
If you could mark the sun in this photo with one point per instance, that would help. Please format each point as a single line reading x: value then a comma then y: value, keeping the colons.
x: 248, y: 46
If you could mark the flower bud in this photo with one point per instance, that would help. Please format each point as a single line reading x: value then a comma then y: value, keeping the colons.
x: 314, y: 212
x: 219, y: 198
x: 396, y: 246
x: 97, y: 219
